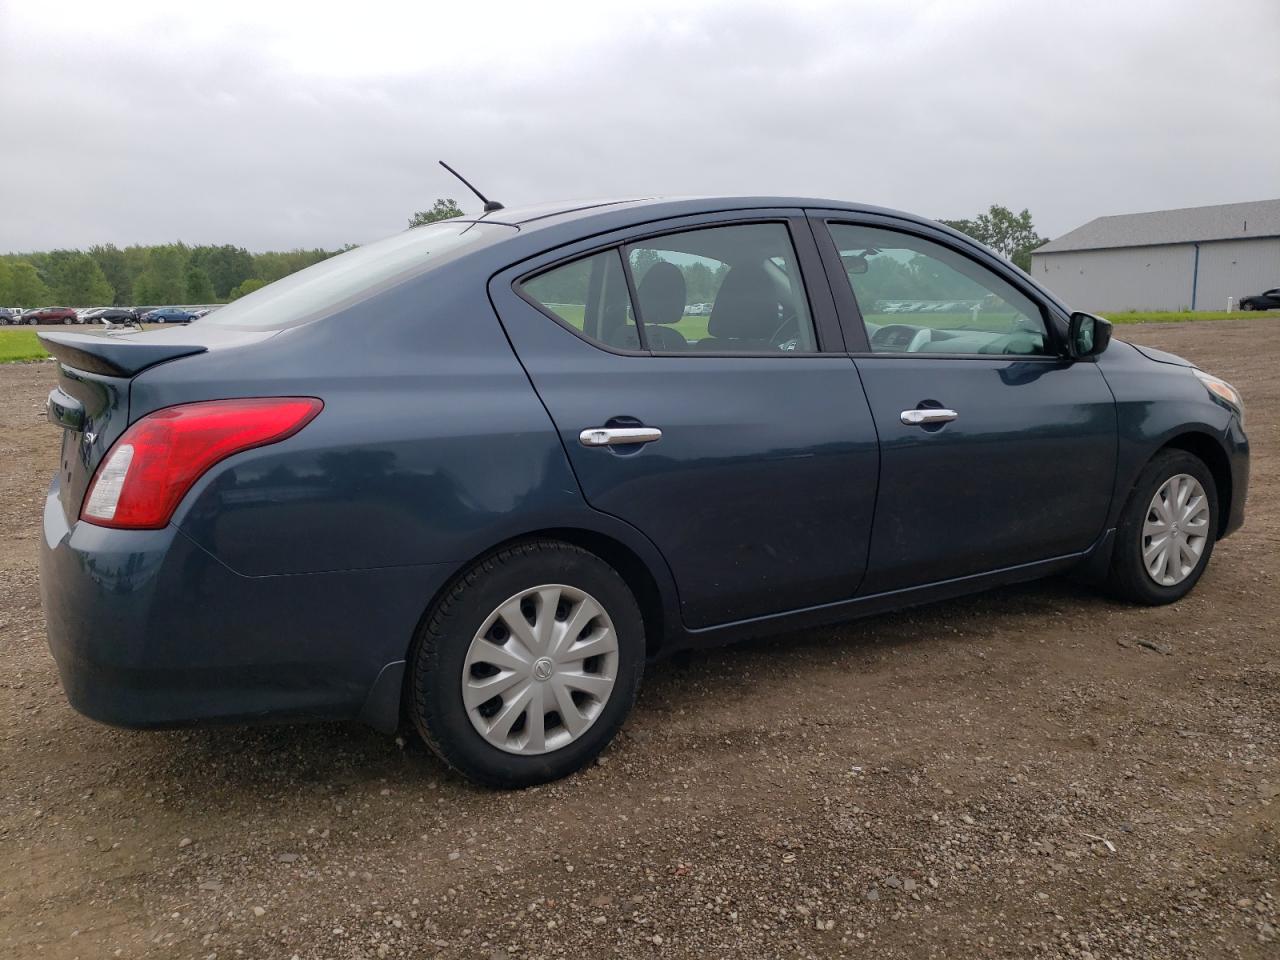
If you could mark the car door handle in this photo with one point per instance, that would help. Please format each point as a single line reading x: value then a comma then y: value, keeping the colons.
x: 614, y: 436
x: 923, y: 417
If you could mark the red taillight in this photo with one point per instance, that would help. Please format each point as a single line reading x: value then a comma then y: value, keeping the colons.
x: 153, y: 465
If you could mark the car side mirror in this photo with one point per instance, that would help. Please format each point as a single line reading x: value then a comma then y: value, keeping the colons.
x: 854, y: 263
x: 1087, y: 335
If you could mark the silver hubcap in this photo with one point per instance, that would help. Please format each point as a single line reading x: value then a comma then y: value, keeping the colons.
x: 540, y: 669
x: 1175, y: 531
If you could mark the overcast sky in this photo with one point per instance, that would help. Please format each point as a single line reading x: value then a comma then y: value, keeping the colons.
x: 275, y: 125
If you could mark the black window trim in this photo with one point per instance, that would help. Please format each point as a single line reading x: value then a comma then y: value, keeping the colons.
x: 850, y: 312
x: 822, y: 312
x: 633, y: 296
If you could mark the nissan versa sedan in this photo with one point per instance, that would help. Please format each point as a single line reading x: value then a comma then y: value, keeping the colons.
x: 473, y: 477
x: 167, y: 315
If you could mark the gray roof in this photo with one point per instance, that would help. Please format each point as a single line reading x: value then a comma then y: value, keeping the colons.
x: 1228, y: 221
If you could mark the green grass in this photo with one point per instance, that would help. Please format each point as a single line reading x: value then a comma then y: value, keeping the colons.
x: 1184, y: 316
x: 20, y: 345
x: 691, y: 327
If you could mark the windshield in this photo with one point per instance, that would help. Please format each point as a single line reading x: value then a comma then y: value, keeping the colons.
x: 340, y: 281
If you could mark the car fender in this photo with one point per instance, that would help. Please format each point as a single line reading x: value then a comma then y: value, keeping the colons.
x: 1157, y: 402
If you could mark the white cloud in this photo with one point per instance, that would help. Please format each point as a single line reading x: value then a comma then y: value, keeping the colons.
x: 282, y: 124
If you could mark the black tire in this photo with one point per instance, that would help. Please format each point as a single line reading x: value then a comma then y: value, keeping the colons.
x: 1129, y: 579
x: 434, y: 682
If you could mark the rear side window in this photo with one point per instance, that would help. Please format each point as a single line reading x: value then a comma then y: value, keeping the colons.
x: 590, y: 295
x: 731, y: 289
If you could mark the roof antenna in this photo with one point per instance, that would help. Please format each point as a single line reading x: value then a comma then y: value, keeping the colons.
x: 489, y: 205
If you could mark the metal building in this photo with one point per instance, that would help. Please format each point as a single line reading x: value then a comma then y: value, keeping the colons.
x: 1188, y: 259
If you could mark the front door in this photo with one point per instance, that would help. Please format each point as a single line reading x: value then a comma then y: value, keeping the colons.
x: 684, y: 372
x: 995, y: 451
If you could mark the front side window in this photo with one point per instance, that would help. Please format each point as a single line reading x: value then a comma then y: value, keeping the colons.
x: 731, y: 289
x: 917, y: 296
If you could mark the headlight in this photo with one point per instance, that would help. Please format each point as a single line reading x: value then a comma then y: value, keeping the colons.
x: 1222, y: 390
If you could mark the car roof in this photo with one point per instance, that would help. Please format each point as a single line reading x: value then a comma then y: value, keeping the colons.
x: 657, y: 208
x: 546, y: 226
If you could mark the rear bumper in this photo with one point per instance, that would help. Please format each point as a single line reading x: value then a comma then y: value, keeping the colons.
x: 150, y: 630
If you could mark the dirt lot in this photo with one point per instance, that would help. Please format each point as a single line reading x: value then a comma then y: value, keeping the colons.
x: 1013, y: 775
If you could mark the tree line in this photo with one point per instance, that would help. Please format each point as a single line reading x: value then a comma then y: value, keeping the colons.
x: 169, y: 273
x: 107, y: 275
x: 1012, y: 235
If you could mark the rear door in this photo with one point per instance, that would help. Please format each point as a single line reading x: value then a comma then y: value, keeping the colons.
x: 995, y: 451
x: 728, y: 437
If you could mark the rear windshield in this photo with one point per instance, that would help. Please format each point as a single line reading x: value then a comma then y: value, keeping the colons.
x: 340, y: 281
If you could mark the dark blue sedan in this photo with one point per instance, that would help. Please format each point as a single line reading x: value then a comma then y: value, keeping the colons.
x: 473, y: 477
x: 168, y: 315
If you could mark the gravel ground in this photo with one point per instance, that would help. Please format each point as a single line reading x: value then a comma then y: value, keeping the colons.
x: 1034, y: 772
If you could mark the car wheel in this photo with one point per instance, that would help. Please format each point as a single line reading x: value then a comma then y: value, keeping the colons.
x: 1246, y: 306
x: 67, y: 321
x: 527, y: 666
x: 1167, y: 531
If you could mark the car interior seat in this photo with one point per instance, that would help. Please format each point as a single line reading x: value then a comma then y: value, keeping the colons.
x: 661, y: 297
x: 746, y: 315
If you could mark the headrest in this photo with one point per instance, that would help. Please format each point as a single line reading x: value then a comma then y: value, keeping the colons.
x: 661, y: 294
x: 746, y: 307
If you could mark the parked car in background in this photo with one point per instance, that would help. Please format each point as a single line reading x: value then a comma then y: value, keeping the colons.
x: 110, y: 315
x: 50, y: 315
x: 140, y: 312
x: 168, y: 315
x: 8, y: 316
x: 1267, y: 300
x: 474, y: 475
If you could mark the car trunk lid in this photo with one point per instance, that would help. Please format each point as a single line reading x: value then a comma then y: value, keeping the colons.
x: 91, y: 400
x: 114, y: 355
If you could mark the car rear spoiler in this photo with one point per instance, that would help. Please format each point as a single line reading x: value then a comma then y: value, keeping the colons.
x: 113, y: 356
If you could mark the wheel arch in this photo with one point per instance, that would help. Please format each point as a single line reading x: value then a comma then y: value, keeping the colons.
x: 1206, y: 448
x: 639, y: 578
x: 384, y: 707
x: 635, y: 563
